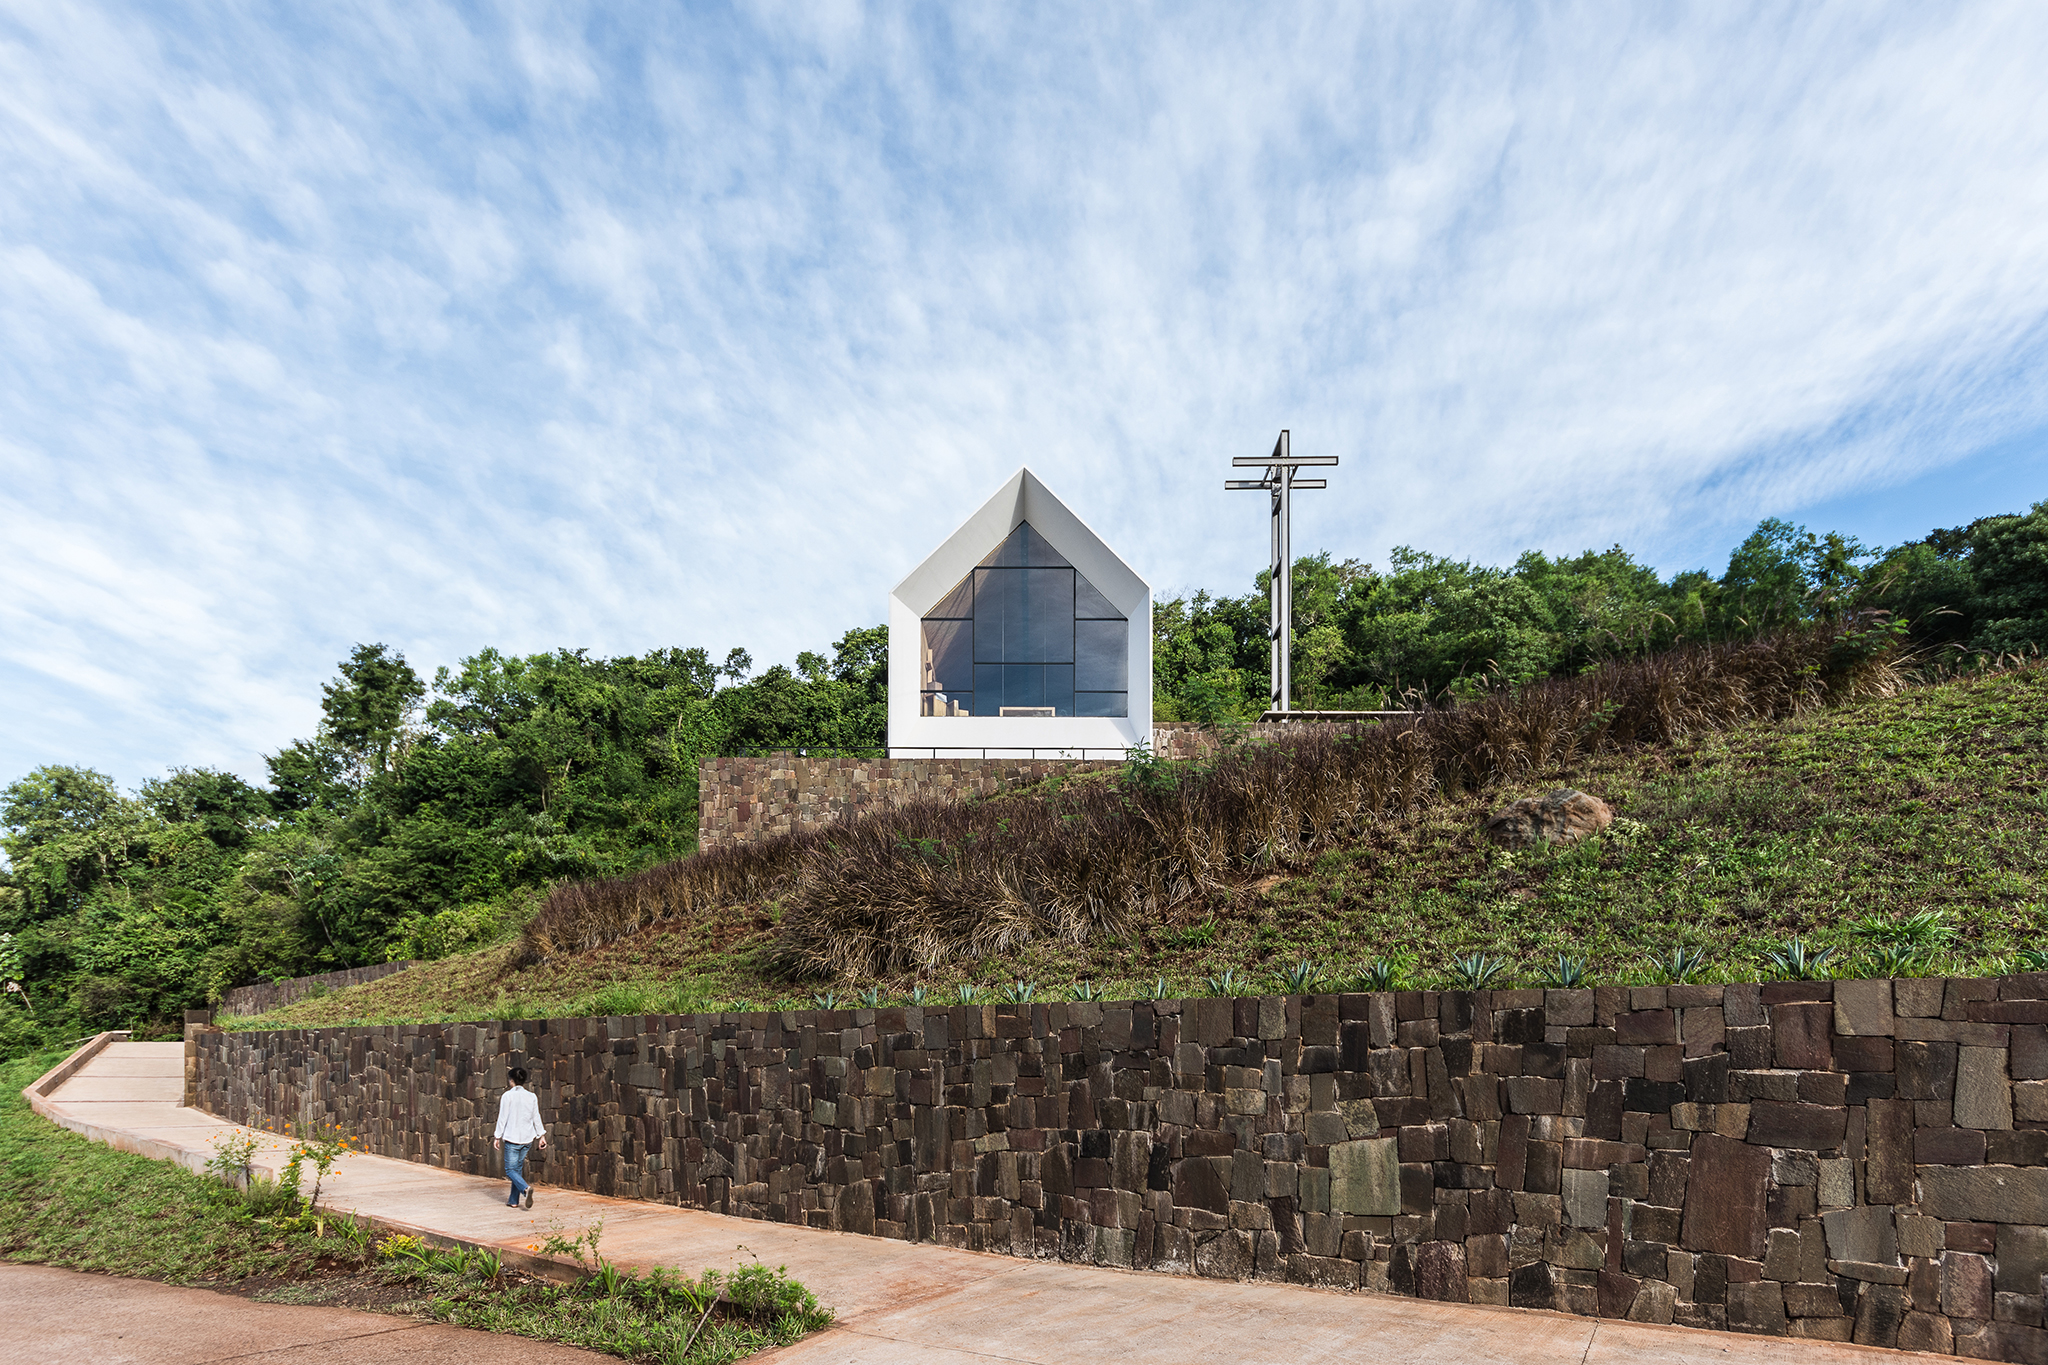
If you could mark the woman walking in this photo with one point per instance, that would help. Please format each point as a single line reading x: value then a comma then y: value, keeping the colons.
x: 519, y: 1127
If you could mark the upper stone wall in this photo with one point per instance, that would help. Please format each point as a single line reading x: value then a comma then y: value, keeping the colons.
x: 744, y: 799
x: 1861, y: 1160
x: 265, y: 996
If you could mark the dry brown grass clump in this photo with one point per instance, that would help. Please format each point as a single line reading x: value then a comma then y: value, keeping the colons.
x: 906, y: 890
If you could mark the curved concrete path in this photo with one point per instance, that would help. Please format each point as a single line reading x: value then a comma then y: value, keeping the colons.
x: 63, y: 1317
x: 903, y: 1303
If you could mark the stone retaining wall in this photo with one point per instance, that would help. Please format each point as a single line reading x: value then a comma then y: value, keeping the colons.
x: 750, y: 797
x: 265, y: 996
x: 1861, y: 1160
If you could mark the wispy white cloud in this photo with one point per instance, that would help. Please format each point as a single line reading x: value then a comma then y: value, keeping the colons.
x: 533, y: 327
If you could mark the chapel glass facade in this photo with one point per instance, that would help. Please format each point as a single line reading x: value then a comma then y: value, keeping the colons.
x: 1025, y: 634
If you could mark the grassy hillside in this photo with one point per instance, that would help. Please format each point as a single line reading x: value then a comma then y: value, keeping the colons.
x: 1825, y: 826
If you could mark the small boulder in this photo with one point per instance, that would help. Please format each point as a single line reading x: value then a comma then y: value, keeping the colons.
x: 1558, y: 817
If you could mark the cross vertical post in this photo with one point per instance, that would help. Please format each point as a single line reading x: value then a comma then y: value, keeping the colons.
x: 1279, y: 482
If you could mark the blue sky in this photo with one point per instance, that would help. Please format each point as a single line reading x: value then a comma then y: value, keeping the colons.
x: 632, y: 327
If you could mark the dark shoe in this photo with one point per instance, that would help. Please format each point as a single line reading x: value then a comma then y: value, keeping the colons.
x: 526, y: 1200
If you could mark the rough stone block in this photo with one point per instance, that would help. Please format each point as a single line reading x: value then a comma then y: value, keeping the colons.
x: 2021, y: 1147
x: 1534, y: 1095
x: 1724, y: 1197
x: 1926, y: 1332
x: 1324, y: 1272
x: 1227, y: 1255
x: 1803, y: 1034
x: 1918, y: 998
x: 2030, y: 1101
x: 1865, y: 1054
x: 1812, y: 1126
x: 1837, y: 1187
x: 1654, y: 1302
x: 1361, y: 1119
x: 1863, y: 1008
x: 1983, y: 1095
x: 1985, y: 1194
x: 1919, y: 1236
x: 1880, y: 1311
x: 1440, y: 1271
x: 1862, y: 1234
x: 1927, y: 1070
x: 1948, y: 1146
x: 1645, y: 1027
x: 1966, y: 1285
x: 1781, y: 1256
x: 1888, y: 1144
x: 1813, y: 1301
x: 1536, y: 1285
x: 1365, y: 1177
x: 1585, y: 1198
x: 1198, y: 1184
x: 1757, y: 1307
x: 2029, y: 1061
x: 1616, y: 1293
x: 2022, y: 1259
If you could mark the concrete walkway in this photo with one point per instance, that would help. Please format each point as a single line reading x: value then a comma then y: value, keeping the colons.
x: 914, y: 1304
x: 63, y: 1317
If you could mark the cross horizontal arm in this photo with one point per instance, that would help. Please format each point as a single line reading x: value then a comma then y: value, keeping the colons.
x: 1297, y: 484
x: 1256, y: 460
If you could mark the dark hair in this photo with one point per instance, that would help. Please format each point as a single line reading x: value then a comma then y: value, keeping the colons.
x: 518, y: 1075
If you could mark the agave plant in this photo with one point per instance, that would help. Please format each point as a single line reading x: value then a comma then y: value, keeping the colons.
x: 1381, y: 974
x: 1023, y: 992
x: 2031, y: 960
x: 1924, y: 930
x: 872, y: 998
x: 826, y: 1000
x: 1567, y: 973
x: 920, y: 995
x: 1680, y: 965
x: 1224, y: 982
x: 1794, y: 961
x: 1085, y: 990
x: 1302, y: 978
x: 970, y: 994
x: 1477, y: 972
x: 1898, y: 959
x: 1159, y: 989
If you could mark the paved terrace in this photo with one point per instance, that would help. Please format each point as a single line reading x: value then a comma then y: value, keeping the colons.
x: 916, y: 1304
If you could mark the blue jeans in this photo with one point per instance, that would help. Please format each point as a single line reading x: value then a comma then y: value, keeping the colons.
x: 515, y: 1166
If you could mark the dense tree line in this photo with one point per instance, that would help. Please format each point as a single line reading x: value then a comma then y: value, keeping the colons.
x: 1431, y: 629
x: 424, y: 818
x: 418, y: 821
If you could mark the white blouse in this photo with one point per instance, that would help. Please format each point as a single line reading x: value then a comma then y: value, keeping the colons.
x: 519, y: 1116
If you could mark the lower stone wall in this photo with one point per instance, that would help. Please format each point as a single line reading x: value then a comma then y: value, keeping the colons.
x: 1861, y: 1160
x: 265, y: 996
x: 746, y: 798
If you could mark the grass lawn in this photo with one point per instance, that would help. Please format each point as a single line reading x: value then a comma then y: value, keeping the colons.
x: 69, y: 1202
x: 1828, y: 828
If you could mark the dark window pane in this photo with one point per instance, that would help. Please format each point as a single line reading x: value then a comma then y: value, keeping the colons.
x: 956, y: 605
x: 988, y: 689
x: 1101, y: 655
x: 948, y: 656
x: 1059, y: 688
x: 1090, y: 605
x: 948, y: 704
x: 1024, y: 548
x: 998, y: 599
x: 1023, y: 685
x: 1049, y: 610
x: 1101, y: 704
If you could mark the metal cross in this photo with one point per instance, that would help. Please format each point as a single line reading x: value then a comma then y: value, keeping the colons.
x: 1279, y: 480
